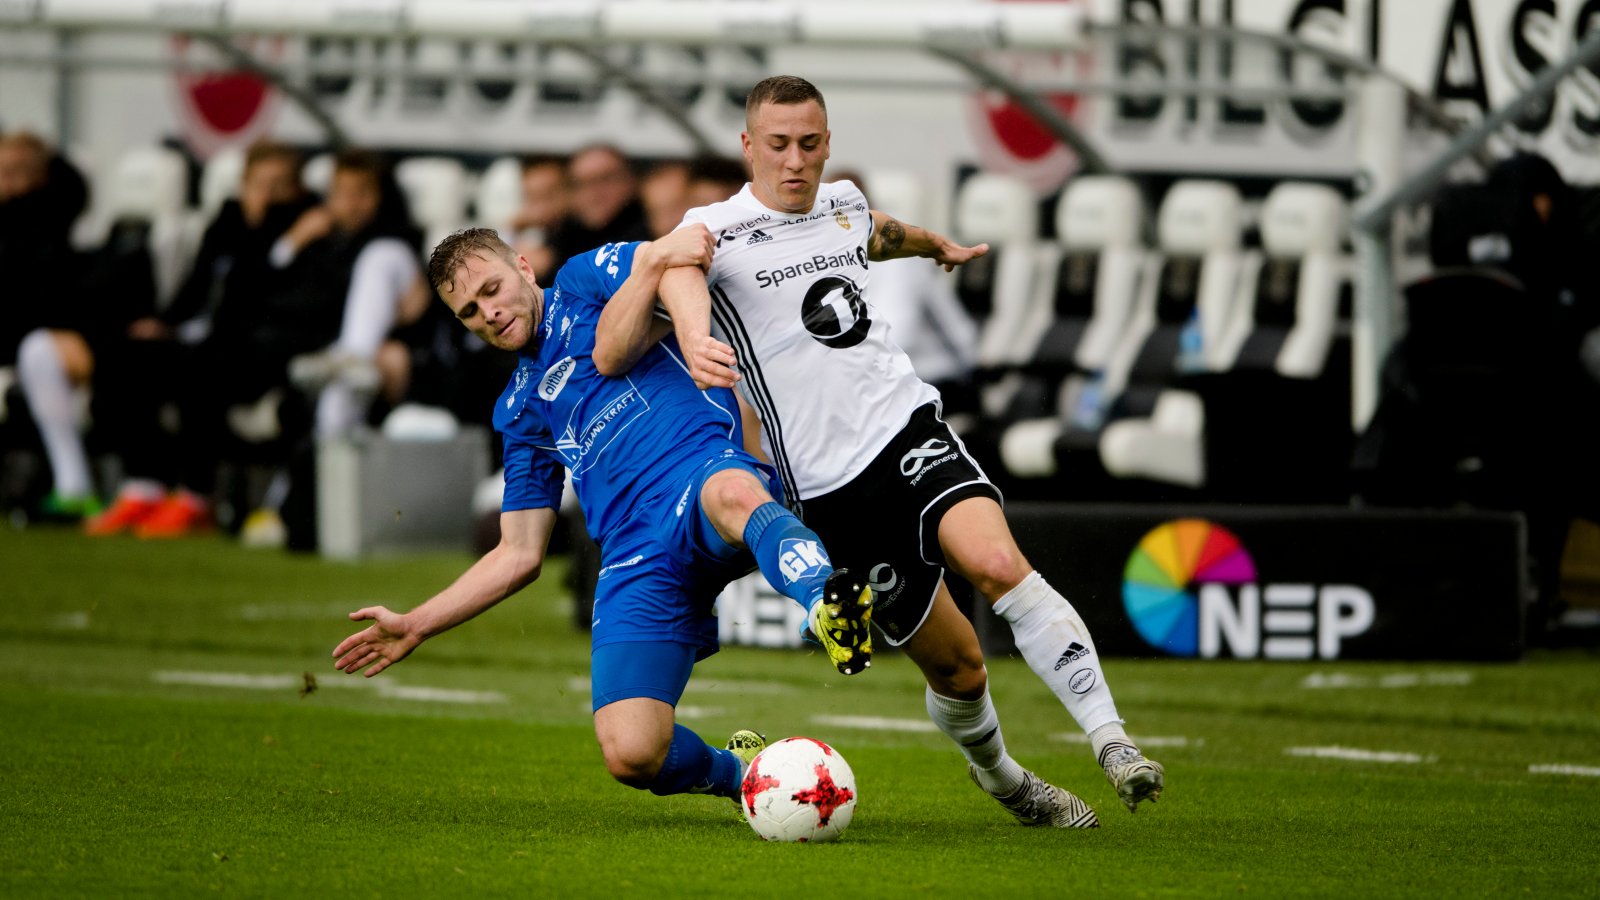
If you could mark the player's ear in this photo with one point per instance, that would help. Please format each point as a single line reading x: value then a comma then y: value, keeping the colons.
x: 525, y: 268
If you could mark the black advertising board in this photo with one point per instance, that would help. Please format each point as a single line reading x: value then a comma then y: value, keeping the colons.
x: 1295, y: 583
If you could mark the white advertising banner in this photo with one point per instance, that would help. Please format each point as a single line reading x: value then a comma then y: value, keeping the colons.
x: 890, y: 108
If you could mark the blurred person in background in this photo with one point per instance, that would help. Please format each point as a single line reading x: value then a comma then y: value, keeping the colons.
x: 713, y: 179
x: 41, y: 197
x: 546, y: 201
x: 663, y: 192
x: 153, y: 363
x: 332, y: 286
x: 605, y: 205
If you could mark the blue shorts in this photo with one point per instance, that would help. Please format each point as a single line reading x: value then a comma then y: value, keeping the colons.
x: 660, y: 574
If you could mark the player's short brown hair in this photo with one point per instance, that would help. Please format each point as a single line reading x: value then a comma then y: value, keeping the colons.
x: 454, y: 251
x: 785, y: 90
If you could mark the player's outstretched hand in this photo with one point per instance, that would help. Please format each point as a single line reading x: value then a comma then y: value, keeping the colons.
x: 388, y: 640
x: 950, y: 254
x: 711, y: 363
x: 690, y: 245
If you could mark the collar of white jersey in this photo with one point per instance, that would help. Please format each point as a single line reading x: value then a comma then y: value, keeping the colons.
x: 747, y: 199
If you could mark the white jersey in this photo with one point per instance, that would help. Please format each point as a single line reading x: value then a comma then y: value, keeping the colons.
x: 789, y: 294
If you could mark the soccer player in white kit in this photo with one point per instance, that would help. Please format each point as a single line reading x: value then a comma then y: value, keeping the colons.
x: 863, y: 454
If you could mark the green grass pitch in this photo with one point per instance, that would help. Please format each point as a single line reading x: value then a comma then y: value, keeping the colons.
x: 157, y: 740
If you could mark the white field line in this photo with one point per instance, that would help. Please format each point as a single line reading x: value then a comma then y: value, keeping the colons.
x: 700, y: 712
x: 383, y: 688
x: 1357, y: 754
x: 876, y: 723
x: 1158, y: 740
x: 1565, y: 769
x: 290, y: 611
x: 1339, y: 680
x: 72, y: 621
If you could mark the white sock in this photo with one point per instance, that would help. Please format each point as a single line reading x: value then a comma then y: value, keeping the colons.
x: 1107, y: 738
x: 975, y: 727
x: 382, y: 273
x: 44, y: 382
x: 1057, y: 646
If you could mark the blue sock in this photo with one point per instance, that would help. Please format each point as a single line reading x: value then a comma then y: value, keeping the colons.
x: 695, y: 767
x: 790, y: 554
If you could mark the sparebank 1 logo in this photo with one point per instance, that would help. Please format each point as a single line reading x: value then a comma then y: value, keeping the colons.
x: 1191, y: 589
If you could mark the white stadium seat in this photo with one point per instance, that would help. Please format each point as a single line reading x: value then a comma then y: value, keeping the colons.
x: 436, y: 190
x: 999, y: 289
x: 498, y: 195
x: 151, y: 184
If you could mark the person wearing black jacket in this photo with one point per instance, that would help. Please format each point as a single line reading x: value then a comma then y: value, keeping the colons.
x: 167, y: 356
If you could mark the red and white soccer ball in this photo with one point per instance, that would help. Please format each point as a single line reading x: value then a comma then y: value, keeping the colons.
x: 799, y: 789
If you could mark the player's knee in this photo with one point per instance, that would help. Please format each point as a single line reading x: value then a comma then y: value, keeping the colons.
x: 634, y: 763
x: 727, y: 495
x: 993, y: 570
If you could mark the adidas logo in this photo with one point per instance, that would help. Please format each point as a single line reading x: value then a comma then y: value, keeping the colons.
x: 1075, y: 651
x: 758, y: 236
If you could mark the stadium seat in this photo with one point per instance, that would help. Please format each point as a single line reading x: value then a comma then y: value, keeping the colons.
x: 901, y: 194
x: 1281, y: 325
x: 219, y: 180
x: 1099, y: 227
x: 999, y: 289
x: 498, y: 195
x: 149, y: 186
x: 1088, y: 281
x: 1289, y: 316
x: 1190, y: 286
x: 317, y: 174
x: 436, y: 190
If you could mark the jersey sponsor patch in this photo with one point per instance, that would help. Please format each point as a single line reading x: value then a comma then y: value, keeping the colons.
x: 834, y: 312
x: 555, y: 378
x: 821, y: 262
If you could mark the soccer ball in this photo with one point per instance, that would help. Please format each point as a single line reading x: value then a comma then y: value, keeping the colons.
x: 798, y: 789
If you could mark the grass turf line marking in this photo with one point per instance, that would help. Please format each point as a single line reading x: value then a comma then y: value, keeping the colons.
x: 876, y: 723
x: 1565, y: 769
x: 1339, y: 680
x: 386, y: 689
x: 1356, y: 754
x: 293, y: 612
x: 1143, y: 742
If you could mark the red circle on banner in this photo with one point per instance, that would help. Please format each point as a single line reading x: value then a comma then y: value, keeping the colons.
x: 1020, y: 133
x: 222, y: 108
x: 1010, y: 140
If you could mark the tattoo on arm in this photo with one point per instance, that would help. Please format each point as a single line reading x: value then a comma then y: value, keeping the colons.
x: 890, y: 237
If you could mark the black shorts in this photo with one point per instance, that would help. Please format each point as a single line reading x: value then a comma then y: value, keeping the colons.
x: 885, y: 522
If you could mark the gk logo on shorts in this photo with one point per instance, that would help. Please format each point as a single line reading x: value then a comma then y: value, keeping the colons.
x: 912, y: 462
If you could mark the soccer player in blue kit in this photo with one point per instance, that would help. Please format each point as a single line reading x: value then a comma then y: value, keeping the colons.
x: 678, y: 507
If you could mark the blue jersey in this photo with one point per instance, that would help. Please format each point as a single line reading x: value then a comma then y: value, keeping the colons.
x: 628, y: 440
